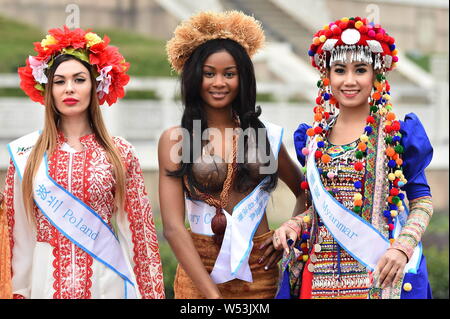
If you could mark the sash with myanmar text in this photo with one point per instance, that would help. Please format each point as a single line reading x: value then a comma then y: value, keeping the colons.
x: 358, y: 237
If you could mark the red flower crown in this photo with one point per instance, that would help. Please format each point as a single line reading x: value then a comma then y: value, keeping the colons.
x: 110, y: 66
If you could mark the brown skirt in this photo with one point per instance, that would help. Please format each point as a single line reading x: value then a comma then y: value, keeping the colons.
x: 264, y: 285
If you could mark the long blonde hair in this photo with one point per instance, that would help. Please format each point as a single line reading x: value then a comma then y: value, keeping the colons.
x: 48, y: 139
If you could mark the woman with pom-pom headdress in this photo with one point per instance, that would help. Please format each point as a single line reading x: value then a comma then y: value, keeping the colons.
x: 357, y: 238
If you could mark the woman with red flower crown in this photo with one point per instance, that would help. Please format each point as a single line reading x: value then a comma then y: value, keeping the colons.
x: 80, y: 222
x: 357, y: 239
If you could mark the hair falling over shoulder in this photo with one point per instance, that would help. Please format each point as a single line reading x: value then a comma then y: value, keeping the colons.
x: 47, y: 141
x: 244, y: 106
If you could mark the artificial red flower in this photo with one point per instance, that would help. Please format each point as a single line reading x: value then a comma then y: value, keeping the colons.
x: 101, y: 55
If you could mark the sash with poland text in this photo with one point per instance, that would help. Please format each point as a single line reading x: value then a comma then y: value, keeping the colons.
x: 73, y: 218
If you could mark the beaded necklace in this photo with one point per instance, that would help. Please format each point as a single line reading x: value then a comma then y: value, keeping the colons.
x: 223, y: 200
x: 380, y: 106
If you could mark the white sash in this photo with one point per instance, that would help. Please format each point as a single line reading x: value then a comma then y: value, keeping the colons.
x: 73, y: 218
x: 358, y: 237
x: 232, y: 261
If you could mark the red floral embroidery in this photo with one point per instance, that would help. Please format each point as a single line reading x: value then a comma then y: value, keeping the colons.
x: 9, y: 204
x: 147, y: 260
x: 88, y: 175
x: 73, y: 271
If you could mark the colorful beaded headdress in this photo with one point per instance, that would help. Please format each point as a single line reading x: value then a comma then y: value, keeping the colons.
x: 205, y: 26
x: 110, y: 66
x: 348, y: 40
x: 367, y: 42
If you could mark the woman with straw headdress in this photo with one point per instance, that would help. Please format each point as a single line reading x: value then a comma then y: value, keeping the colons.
x: 220, y: 166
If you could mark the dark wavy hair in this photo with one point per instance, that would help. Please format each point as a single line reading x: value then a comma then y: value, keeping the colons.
x: 244, y: 106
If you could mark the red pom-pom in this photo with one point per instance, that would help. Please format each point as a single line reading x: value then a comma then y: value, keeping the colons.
x: 388, y: 129
x: 318, y: 130
x: 319, y: 99
x: 304, y: 185
x: 327, y: 115
x: 337, y: 31
x: 394, y: 192
x: 388, y: 87
x: 379, y: 37
x: 343, y: 25
x: 332, y: 100
x: 370, y: 119
x: 318, y: 109
x: 351, y: 23
x: 328, y: 33
x: 318, y: 154
x: 395, y: 126
x: 358, y: 166
x: 395, y: 182
x: 363, y: 29
x: 391, y: 227
x: 391, y: 40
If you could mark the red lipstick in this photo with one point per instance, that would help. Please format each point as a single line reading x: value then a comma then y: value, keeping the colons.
x: 70, y: 101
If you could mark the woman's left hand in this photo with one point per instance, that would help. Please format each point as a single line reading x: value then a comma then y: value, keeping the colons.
x: 390, y: 267
x: 271, y: 253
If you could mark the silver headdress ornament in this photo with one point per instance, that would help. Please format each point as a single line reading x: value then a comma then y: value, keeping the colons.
x: 353, y: 53
x: 350, y: 52
x: 359, y: 53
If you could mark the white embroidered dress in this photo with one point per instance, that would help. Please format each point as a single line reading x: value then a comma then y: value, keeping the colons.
x: 45, y: 264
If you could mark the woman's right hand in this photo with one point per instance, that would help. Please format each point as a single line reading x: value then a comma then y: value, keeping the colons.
x: 285, y: 236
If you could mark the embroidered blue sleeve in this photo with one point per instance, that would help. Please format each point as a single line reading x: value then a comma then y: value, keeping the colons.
x: 300, y: 139
x: 417, y: 155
